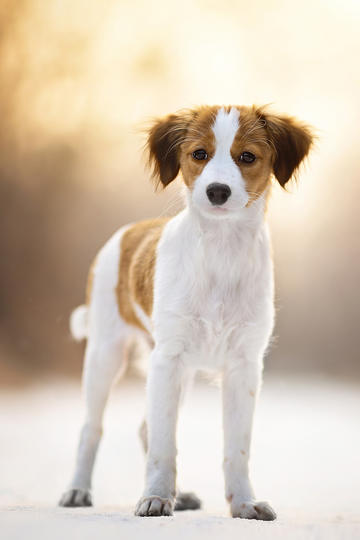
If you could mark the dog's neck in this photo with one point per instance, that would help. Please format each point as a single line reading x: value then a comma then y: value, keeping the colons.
x: 214, y: 247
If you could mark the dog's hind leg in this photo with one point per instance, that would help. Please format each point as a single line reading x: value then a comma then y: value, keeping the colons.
x: 105, y: 358
x: 102, y: 364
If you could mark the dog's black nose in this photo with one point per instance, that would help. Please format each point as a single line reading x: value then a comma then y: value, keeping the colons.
x: 218, y: 193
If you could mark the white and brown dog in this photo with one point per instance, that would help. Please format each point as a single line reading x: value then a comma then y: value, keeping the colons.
x: 201, y: 285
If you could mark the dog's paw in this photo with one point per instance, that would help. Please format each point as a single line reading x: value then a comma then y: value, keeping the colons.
x: 154, y: 506
x: 187, y: 501
x: 252, y: 510
x: 76, y: 497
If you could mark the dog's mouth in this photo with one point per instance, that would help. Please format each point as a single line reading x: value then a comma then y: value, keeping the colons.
x: 225, y: 210
x: 219, y: 210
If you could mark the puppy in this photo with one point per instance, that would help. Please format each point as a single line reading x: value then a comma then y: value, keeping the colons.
x: 200, y: 285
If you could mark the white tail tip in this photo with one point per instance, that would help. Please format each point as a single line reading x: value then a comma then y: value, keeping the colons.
x: 79, y: 323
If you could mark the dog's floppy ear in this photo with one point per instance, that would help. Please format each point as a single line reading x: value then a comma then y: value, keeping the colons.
x: 291, y: 141
x: 164, y: 139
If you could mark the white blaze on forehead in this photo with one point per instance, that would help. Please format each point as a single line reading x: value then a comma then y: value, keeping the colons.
x: 225, y: 127
x: 221, y: 167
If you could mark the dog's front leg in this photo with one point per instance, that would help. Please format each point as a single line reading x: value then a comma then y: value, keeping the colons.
x: 240, y: 384
x: 163, y: 392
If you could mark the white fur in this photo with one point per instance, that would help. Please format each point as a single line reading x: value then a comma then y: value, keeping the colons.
x: 218, y: 316
x: 213, y: 310
x: 79, y: 323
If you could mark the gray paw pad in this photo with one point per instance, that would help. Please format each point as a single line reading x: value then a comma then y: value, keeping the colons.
x: 76, y: 498
x: 187, y: 501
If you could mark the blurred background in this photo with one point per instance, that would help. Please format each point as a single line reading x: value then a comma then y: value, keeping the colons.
x: 78, y: 80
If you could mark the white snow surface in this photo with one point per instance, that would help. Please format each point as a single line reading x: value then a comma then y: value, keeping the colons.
x: 305, y: 462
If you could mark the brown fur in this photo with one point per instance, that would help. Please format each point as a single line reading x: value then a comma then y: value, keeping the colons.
x: 252, y: 137
x: 280, y: 143
x: 163, y: 145
x: 200, y: 136
x: 136, y: 269
x: 291, y: 140
x: 178, y: 135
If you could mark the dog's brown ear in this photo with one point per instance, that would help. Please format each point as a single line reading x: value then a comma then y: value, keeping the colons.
x: 291, y: 141
x: 163, y: 144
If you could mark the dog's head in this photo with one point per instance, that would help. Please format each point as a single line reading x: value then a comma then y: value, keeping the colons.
x: 227, y: 155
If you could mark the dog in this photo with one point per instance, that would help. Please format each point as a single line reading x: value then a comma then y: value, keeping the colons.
x: 200, y: 286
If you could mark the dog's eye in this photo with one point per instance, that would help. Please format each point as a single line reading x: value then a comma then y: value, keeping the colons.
x: 199, y: 154
x: 247, y: 157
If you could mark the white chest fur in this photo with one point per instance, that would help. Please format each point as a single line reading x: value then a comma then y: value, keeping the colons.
x: 213, y: 289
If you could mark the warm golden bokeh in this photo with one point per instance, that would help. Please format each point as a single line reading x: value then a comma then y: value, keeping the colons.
x: 78, y: 81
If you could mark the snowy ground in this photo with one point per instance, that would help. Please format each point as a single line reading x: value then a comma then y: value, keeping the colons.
x: 305, y: 461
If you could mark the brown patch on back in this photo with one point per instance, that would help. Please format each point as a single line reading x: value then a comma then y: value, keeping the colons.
x: 137, y: 268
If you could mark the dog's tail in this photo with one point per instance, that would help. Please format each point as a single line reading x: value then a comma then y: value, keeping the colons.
x: 79, y: 322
